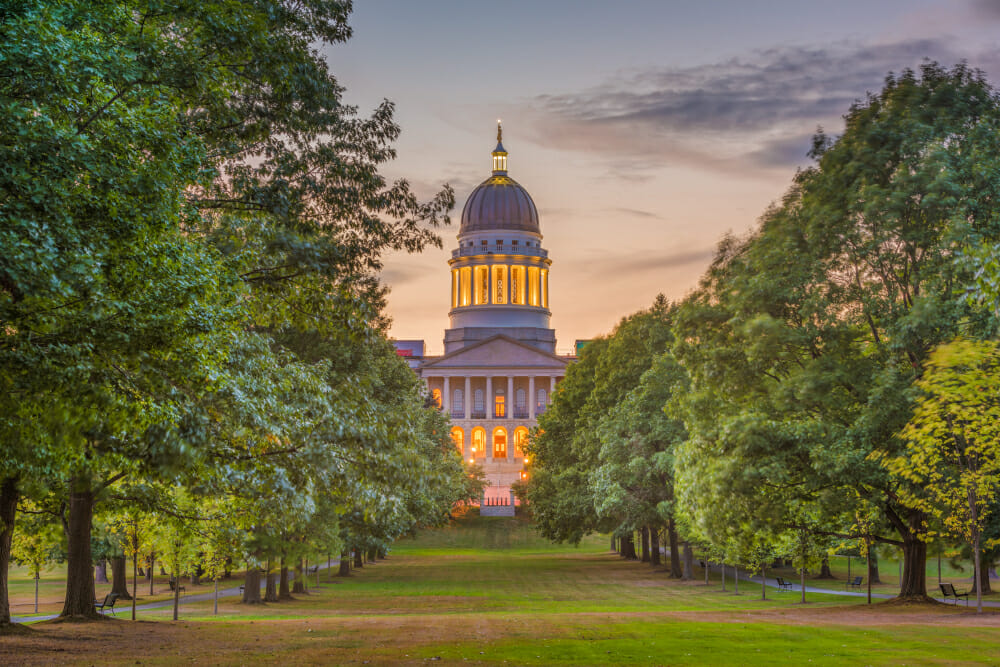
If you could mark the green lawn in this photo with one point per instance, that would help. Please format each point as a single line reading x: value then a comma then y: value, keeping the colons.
x: 491, y: 591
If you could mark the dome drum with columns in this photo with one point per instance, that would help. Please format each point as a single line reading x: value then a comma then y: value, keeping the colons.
x: 499, y: 368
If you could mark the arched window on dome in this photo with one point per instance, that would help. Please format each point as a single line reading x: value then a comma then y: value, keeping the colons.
x: 542, y: 398
x: 532, y: 285
x: 478, y: 442
x: 520, y: 437
x: 544, y: 290
x: 517, y: 285
x: 478, y: 406
x: 454, y: 288
x: 458, y: 437
x: 482, y: 286
x: 499, y: 443
x: 465, y: 281
x: 457, y: 404
x: 499, y: 283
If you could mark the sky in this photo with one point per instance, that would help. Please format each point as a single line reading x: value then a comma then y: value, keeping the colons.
x: 644, y: 131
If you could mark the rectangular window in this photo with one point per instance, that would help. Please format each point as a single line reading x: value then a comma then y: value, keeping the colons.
x: 517, y: 285
x: 499, y: 283
x: 454, y: 288
x: 465, y: 279
x: 532, y: 285
x: 498, y: 407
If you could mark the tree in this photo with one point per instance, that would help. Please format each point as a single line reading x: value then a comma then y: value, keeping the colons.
x: 806, y: 336
x: 952, y: 455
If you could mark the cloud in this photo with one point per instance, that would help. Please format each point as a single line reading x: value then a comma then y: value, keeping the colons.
x: 755, y: 111
x: 986, y: 9
x: 643, y: 262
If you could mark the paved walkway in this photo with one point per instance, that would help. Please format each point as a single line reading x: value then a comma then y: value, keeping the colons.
x: 185, y: 599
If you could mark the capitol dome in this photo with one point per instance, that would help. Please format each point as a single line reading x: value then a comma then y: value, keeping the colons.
x: 499, y: 202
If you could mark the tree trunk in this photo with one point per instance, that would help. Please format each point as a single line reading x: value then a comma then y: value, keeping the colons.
x: 8, y: 511
x: 300, y: 578
x: 283, y: 592
x: 688, y: 572
x: 675, y: 553
x: 983, y: 574
x: 177, y: 591
x: 149, y: 571
x: 802, y: 581
x: 654, y: 546
x: 344, y: 570
x: 614, y: 544
x: 914, y: 581
x: 722, y: 569
x: 763, y: 582
x: 824, y: 570
x: 119, y: 580
x: 359, y: 557
x: 101, y: 571
x: 135, y: 580
x: 372, y: 555
x: 270, y: 590
x: 873, y: 571
x: 251, y: 587
x: 628, y: 547
x: 80, y: 593
x: 644, y: 541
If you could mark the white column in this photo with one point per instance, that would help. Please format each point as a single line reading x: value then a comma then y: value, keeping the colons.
x: 467, y: 400
x: 532, y: 399
x: 489, y: 398
x: 446, y: 399
x: 509, y: 401
x: 552, y: 388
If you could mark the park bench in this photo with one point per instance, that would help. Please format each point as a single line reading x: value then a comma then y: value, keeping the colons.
x: 108, y: 603
x: 783, y: 584
x: 948, y: 591
x: 174, y: 586
x: 853, y: 583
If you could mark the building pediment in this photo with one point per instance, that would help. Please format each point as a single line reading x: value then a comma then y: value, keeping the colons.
x: 498, y: 351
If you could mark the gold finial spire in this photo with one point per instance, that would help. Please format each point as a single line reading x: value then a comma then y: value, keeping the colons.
x: 499, y: 153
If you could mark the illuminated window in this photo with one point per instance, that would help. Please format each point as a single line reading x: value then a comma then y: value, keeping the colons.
x: 498, y: 406
x: 479, y: 442
x: 499, y: 284
x: 458, y: 437
x: 520, y: 437
x: 499, y: 443
x: 542, y: 396
x: 465, y: 279
x: 520, y: 400
x: 533, y: 285
x: 514, y: 243
x: 482, y: 289
x: 436, y: 397
x: 454, y: 288
x: 517, y: 285
x: 545, y: 288
x: 499, y: 245
x: 479, y: 407
x: 457, y: 404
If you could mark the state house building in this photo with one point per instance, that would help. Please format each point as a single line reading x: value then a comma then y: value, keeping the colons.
x: 499, y: 367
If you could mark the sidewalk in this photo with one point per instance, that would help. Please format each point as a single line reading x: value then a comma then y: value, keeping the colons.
x: 185, y: 599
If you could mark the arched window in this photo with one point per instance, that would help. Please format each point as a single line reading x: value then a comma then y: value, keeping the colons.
x: 478, y: 442
x: 457, y: 406
x: 436, y: 397
x: 521, y: 398
x: 458, y: 437
x: 542, y: 396
x: 499, y: 443
x: 520, y: 437
x: 479, y: 407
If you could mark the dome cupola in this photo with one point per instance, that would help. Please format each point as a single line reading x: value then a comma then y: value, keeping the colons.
x: 499, y: 203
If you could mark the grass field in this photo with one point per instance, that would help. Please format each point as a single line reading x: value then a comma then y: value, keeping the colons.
x: 490, y: 591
